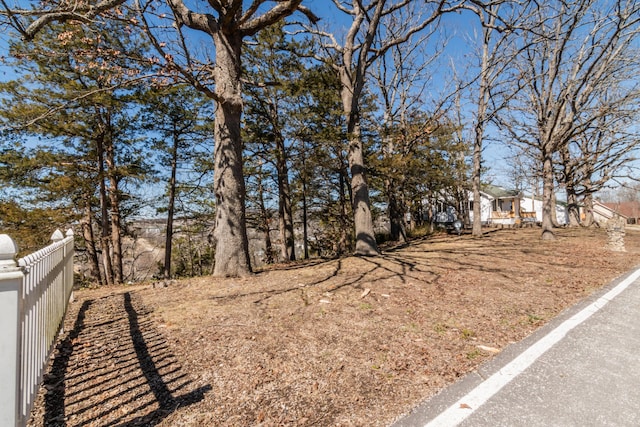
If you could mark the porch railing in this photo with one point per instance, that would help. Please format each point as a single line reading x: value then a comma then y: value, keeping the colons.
x: 34, y: 294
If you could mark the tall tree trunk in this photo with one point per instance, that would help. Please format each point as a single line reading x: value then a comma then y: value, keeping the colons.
x: 305, y: 225
x: 168, y: 242
x: 230, y: 234
x: 547, y: 197
x: 264, y: 226
x: 116, y: 218
x: 392, y: 211
x: 105, y: 241
x: 462, y: 195
x: 363, y: 220
x: 343, y: 241
x: 284, y: 202
x: 554, y: 208
x: 116, y: 232
x: 573, y: 209
x: 588, y: 208
x: 393, y: 187
x: 90, y: 244
x: 477, y: 205
x: 396, y: 212
x: 483, y: 96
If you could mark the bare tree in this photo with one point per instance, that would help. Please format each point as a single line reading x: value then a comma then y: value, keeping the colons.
x: 228, y: 24
x: 217, y: 73
x: 494, y: 85
x: 403, y: 81
x: 364, y: 43
x: 574, y: 51
x: 604, y: 152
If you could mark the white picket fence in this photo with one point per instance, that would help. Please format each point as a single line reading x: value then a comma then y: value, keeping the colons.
x: 34, y: 294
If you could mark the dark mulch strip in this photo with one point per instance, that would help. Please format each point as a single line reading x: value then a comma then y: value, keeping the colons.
x: 112, y: 368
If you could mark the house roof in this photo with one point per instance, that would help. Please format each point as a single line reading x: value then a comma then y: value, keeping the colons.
x: 626, y: 209
x: 499, y: 192
x: 605, y: 211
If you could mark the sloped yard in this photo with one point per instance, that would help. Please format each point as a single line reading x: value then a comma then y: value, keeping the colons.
x: 348, y: 342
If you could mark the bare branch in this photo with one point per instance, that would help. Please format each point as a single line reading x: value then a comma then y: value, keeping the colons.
x: 171, y: 65
x: 249, y: 25
x: 80, y: 13
x: 198, y: 21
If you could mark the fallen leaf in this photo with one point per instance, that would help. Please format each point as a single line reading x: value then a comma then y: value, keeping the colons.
x: 464, y: 406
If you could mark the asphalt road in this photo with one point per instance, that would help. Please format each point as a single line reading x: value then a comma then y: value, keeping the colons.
x: 581, y: 369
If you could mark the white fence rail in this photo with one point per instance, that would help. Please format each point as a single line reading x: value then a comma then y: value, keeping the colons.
x: 34, y: 293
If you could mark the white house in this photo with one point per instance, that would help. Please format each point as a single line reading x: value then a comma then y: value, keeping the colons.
x: 534, y: 204
x: 499, y: 206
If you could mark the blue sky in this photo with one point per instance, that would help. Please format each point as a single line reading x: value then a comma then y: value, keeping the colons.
x: 458, y: 28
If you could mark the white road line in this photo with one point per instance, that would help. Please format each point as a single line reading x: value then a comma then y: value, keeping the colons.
x: 464, y: 407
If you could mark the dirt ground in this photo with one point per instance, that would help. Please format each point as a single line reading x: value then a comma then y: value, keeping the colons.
x: 347, y: 342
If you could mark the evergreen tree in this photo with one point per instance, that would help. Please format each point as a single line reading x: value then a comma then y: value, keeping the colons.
x: 273, y: 69
x: 71, y: 94
x: 321, y: 164
x: 180, y: 116
x: 216, y: 72
x: 422, y: 167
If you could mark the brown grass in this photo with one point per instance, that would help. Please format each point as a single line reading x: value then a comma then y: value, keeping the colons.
x: 348, y: 342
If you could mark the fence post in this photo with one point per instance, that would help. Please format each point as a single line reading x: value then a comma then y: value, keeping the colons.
x: 69, y: 253
x: 57, y: 236
x: 11, y: 279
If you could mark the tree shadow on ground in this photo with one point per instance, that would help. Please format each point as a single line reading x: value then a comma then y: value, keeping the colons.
x: 422, y: 260
x: 114, y: 368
